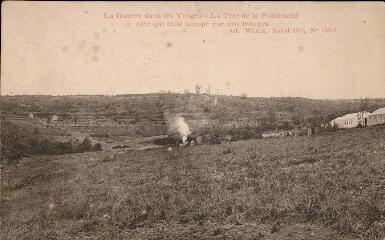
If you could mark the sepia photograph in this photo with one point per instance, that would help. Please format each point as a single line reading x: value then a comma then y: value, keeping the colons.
x: 192, y: 120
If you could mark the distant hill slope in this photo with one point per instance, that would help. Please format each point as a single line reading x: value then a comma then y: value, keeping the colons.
x: 152, y: 108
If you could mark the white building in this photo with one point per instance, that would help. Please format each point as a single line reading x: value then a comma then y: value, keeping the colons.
x: 351, y: 120
x: 377, y: 117
x: 54, y: 118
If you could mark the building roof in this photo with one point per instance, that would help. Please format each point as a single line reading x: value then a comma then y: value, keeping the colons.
x: 347, y: 116
x: 352, y: 115
x: 379, y: 111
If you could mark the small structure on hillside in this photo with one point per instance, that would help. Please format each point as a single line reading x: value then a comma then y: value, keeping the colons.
x: 350, y: 120
x: 54, y: 118
x: 377, y: 117
x: 55, y: 121
x: 31, y: 115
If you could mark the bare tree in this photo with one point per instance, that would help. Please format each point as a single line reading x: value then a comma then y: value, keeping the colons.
x: 364, y: 104
x: 198, y: 88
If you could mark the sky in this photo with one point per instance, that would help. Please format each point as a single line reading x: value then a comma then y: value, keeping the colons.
x: 70, y: 48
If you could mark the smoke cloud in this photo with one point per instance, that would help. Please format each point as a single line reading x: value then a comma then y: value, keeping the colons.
x: 178, y: 124
x: 182, y: 128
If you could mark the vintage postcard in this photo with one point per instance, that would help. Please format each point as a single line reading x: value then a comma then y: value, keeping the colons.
x: 192, y: 120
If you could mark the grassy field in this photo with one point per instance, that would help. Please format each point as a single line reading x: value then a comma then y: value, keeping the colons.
x: 322, y: 187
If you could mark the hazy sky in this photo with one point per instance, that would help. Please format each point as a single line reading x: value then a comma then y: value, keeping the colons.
x: 69, y: 48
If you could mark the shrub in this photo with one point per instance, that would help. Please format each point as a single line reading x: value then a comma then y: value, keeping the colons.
x: 206, y: 109
x: 227, y: 151
x: 19, y: 141
x: 85, y: 146
x: 97, y: 147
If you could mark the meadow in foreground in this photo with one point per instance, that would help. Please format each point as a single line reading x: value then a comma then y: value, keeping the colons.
x: 321, y: 187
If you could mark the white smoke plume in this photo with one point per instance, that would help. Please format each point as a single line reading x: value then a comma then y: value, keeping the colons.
x: 182, y: 128
x: 178, y: 124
